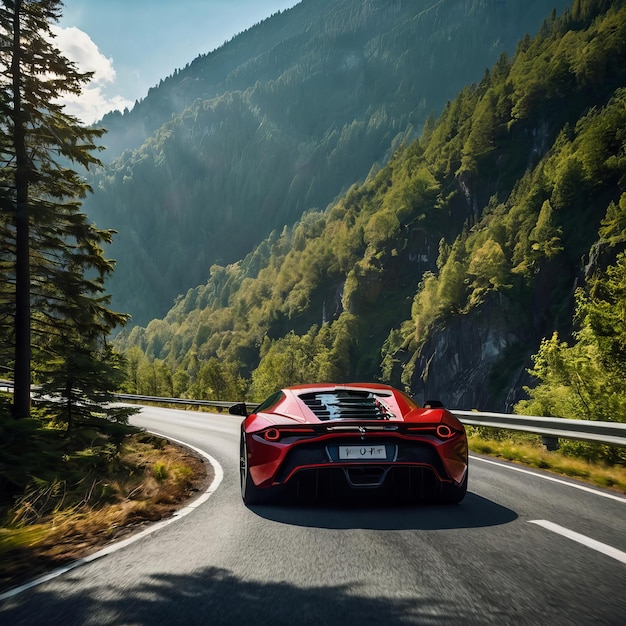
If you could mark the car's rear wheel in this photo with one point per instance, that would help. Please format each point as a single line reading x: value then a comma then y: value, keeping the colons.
x: 250, y: 493
x: 453, y: 494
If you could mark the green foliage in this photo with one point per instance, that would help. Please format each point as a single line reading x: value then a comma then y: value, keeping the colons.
x: 160, y: 471
x: 382, y: 227
x: 318, y: 355
x: 77, y: 387
x: 545, y: 237
x: 216, y: 380
x: 574, y: 384
x: 586, y: 380
x: 602, y: 314
x: 54, y: 314
x: 613, y: 228
x: 53, y: 265
x: 488, y: 267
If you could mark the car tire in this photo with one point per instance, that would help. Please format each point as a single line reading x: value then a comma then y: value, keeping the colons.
x: 453, y: 494
x: 250, y: 493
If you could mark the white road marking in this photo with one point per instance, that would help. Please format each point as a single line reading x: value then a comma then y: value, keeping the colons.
x: 515, y: 468
x: 583, y: 539
x: 217, y: 479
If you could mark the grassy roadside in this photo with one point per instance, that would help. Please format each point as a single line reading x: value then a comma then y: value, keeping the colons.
x: 152, y: 480
x: 528, y: 450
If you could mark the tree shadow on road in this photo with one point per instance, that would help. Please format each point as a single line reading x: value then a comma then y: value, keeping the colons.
x: 214, y: 596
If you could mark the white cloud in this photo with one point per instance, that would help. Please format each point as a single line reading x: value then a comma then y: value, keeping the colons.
x: 95, y: 99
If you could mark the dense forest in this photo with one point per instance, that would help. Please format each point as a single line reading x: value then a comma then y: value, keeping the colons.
x: 59, y: 426
x: 282, y: 119
x: 496, y: 235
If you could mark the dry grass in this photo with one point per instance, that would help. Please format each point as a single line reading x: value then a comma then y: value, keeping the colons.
x: 530, y: 452
x: 156, y: 478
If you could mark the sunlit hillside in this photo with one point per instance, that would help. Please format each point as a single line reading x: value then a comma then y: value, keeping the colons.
x: 280, y: 120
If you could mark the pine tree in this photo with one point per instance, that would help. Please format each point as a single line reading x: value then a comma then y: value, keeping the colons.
x: 53, y: 307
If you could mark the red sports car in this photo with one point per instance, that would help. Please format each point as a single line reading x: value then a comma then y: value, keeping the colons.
x: 358, y: 439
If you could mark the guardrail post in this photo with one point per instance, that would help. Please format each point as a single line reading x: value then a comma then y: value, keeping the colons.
x: 550, y: 443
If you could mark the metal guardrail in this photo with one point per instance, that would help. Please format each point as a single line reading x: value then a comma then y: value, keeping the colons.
x: 609, y: 433
x: 214, y: 403
x: 550, y: 428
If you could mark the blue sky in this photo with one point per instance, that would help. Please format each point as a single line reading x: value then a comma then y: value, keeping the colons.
x: 132, y: 44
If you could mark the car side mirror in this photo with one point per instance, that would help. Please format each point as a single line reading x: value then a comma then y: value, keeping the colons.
x: 433, y: 404
x: 238, y: 409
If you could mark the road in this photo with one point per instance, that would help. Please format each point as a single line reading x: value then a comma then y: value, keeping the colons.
x: 520, y: 549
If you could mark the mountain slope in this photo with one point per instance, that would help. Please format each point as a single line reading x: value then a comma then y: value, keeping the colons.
x: 281, y: 119
x: 446, y: 268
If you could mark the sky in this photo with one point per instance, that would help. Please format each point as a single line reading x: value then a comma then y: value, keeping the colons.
x: 131, y: 45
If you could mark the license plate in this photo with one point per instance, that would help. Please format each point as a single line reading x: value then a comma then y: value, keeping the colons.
x: 350, y: 453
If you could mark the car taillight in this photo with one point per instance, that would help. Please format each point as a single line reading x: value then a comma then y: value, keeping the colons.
x: 272, y: 434
x: 276, y: 434
x: 444, y: 431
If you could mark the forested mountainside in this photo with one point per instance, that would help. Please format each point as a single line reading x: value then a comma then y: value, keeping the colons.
x: 280, y: 120
x: 446, y: 268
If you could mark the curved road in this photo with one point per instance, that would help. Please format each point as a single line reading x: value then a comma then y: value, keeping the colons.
x: 522, y: 548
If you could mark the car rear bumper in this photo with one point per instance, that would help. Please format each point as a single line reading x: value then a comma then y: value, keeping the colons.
x: 371, y: 483
x: 412, y: 465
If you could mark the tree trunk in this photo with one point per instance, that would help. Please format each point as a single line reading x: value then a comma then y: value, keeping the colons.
x: 21, y: 391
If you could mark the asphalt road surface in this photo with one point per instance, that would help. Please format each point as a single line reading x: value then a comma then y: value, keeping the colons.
x: 522, y: 548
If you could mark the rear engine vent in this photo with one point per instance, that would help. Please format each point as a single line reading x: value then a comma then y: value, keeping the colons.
x: 347, y: 404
